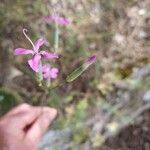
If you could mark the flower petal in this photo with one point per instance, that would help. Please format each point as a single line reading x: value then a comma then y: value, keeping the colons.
x: 90, y: 60
x: 54, y: 73
x: 49, y: 55
x: 56, y: 18
x: 39, y: 43
x: 46, y: 70
x: 34, y: 62
x: 47, y: 19
x: 22, y: 51
x: 63, y: 21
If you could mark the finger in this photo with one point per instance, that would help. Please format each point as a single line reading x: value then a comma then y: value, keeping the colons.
x: 41, y: 124
x: 18, y: 109
x: 25, y: 118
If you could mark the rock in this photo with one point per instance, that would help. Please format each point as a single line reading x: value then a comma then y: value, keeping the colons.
x: 146, y: 96
x: 142, y: 73
x: 56, y: 140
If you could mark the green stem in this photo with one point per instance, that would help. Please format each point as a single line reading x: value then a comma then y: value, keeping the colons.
x: 56, y: 37
x: 39, y: 74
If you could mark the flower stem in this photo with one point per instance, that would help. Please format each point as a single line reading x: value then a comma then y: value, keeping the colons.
x: 56, y: 37
x: 39, y: 74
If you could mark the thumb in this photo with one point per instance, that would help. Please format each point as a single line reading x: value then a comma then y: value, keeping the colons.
x: 41, y: 124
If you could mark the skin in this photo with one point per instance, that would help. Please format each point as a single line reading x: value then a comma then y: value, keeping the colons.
x: 23, y: 126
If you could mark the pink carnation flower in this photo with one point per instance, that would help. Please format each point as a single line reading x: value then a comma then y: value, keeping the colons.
x: 57, y: 19
x: 49, y: 72
x: 36, y: 54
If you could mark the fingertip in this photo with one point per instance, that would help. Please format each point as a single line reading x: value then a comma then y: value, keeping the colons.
x: 25, y: 106
x: 50, y: 113
x: 54, y: 112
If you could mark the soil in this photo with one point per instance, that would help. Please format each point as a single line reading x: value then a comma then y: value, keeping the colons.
x: 134, y: 137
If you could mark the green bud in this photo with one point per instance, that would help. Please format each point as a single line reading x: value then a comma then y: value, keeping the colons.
x: 77, y: 72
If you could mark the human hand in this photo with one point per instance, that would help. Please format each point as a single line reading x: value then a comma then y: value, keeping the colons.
x: 22, y: 127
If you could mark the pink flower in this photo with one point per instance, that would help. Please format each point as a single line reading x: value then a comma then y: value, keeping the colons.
x: 57, y: 19
x: 36, y: 54
x: 90, y: 60
x: 48, y: 72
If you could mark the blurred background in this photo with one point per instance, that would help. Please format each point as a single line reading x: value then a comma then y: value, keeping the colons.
x: 108, y: 107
